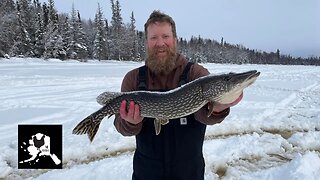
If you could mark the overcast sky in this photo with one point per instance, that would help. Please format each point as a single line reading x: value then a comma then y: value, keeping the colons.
x: 293, y: 26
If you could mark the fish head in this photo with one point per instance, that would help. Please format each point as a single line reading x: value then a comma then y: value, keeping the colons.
x: 226, y: 88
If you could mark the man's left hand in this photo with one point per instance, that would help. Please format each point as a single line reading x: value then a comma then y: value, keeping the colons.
x: 217, y: 107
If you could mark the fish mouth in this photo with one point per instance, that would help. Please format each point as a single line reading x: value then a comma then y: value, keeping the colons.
x: 245, y: 79
x: 249, y: 76
x: 252, y: 76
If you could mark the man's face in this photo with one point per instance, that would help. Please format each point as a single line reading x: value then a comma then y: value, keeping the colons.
x: 161, y: 47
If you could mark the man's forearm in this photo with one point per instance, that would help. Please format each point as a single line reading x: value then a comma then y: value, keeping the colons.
x: 214, y: 118
x: 125, y: 128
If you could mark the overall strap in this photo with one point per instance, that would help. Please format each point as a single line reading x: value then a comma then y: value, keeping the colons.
x: 142, y: 78
x: 185, y: 73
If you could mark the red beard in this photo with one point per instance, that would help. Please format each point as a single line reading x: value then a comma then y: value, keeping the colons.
x: 161, y: 64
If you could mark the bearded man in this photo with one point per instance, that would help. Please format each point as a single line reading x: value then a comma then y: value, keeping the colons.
x: 176, y: 153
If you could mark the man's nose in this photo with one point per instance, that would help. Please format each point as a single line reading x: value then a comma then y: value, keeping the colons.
x: 160, y: 42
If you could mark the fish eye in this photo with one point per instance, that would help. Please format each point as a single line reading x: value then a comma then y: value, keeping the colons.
x: 227, y: 78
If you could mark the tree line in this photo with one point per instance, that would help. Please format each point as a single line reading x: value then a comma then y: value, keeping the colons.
x: 29, y: 28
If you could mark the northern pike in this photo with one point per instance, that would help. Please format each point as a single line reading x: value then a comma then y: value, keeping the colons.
x: 176, y: 103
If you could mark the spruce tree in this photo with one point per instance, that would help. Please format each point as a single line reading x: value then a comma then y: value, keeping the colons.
x: 132, y: 40
x: 100, y: 50
x: 53, y: 40
x: 82, y: 48
x: 117, y: 37
x: 77, y: 47
x: 39, y: 37
x: 23, y: 40
x: 8, y: 26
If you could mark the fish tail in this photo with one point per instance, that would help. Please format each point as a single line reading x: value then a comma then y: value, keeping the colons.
x: 89, y: 125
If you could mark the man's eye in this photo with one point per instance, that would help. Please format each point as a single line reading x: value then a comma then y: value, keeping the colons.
x: 166, y: 36
x: 153, y: 38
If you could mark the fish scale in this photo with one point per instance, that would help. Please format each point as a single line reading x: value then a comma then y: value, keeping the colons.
x: 173, y: 104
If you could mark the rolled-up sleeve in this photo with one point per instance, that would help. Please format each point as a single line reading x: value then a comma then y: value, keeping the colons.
x: 123, y: 127
x: 214, y: 118
x: 201, y: 115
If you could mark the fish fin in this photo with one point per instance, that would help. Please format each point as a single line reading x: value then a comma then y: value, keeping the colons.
x: 210, y: 108
x: 105, y: 97
x: 164, y: 121
x: 89, y: 125
x: 157, y: 126
x: 158, y: 123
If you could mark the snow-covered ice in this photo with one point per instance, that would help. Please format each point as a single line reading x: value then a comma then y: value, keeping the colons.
x: 274, y: 133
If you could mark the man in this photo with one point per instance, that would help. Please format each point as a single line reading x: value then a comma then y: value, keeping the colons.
x: 176, y: 153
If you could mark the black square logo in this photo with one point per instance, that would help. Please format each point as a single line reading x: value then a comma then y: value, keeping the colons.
x: 39, y: 146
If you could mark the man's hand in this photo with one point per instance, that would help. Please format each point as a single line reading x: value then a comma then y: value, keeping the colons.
x: 133, y: 114
x: 217, y: 107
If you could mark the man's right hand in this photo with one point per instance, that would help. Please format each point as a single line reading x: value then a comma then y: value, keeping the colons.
x: 133, y: 114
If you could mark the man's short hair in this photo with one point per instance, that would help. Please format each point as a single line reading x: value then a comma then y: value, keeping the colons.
x: 157, y: 16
